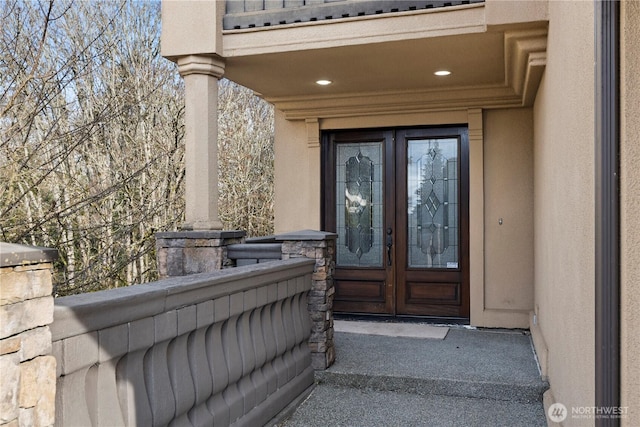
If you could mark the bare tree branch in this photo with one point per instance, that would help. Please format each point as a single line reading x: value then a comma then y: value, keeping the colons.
x: 91, y: 140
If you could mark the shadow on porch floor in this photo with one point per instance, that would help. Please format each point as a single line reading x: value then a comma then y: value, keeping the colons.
x: 469, y: 378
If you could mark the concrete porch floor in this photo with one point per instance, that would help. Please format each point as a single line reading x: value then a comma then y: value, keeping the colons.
x: 469, y: 378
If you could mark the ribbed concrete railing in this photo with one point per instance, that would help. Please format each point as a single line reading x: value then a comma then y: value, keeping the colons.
x: 222, y: 348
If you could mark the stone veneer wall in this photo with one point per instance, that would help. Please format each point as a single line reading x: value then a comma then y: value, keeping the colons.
x: 27, y: 368
x: 319, y: 246
x: 221, y: 348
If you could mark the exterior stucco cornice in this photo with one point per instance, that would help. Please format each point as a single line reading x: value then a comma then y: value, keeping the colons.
x: 364, y: 104
x: 525, y: 59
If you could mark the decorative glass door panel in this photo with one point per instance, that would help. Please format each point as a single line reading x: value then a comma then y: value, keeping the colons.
x: 398, y: 200
x: 359, y: 204
x: 432, y: 208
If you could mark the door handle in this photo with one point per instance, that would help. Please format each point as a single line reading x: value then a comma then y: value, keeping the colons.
x: 389, y: 245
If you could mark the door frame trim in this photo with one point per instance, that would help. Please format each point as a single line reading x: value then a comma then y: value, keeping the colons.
x: 390, y: 153
x: 473, y: 119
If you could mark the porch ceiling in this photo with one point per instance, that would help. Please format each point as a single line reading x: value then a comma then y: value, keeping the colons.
x: 381, y: 67
x: 371, y: 74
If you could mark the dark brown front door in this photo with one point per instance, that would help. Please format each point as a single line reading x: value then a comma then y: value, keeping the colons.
x: 398, y: 200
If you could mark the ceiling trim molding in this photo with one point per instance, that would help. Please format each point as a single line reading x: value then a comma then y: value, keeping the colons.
x: 537, y: 61
x: 525, y: 60
x: 346, y: 105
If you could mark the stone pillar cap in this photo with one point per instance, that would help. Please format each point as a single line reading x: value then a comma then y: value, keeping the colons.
x: 305, y: 235
x: 12, y: 254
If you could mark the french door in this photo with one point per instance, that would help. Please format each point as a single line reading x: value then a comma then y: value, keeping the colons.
x: 398, y: 200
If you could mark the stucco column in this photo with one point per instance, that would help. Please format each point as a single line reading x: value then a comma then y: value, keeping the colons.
x: 201, y: 74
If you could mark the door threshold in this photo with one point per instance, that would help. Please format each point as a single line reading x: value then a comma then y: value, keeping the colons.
x: 432, y: 320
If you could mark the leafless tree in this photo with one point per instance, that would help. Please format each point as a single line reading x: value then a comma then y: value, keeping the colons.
x: 91, y: 148
x: 91, y: 131
x: 246, y: 160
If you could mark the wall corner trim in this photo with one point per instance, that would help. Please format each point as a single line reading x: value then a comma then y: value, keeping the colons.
x: 477, y: 314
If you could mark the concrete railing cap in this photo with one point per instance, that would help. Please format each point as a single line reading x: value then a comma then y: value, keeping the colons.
x: 12, y: 254
x: 305, y: 235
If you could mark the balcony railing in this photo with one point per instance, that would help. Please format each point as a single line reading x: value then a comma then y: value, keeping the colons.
x: 242, y: 14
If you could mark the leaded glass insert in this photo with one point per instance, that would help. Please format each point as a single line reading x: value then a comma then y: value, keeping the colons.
x: 432, y: 184
x: 359, y: 204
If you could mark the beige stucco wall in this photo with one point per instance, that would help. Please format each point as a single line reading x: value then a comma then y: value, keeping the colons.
x: 630, y: 212
x: 508, y: 194
x: 297, y: 177
x: 564, y: 204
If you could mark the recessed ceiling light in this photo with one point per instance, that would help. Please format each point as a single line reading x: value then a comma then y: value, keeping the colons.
x: 442, y: 73
x: 323, y: 82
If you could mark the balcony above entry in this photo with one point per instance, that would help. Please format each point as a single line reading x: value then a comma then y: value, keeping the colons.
x: 255, y: 14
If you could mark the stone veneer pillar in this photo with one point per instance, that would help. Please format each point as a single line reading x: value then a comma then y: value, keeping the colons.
x: 320, y: 246
x: 28, y: 369
x: 189, y: 252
